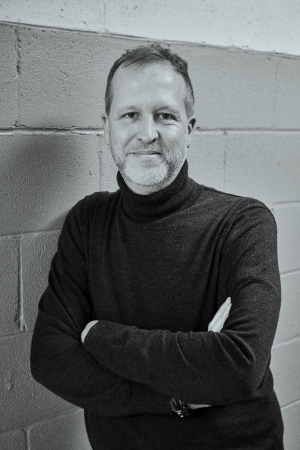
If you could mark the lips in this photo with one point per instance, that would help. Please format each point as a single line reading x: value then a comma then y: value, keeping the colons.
x: 147, y: 150
x: 146, y: 153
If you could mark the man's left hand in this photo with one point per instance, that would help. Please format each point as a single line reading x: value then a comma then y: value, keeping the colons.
x: 216, y: 325
x: 87, y: 329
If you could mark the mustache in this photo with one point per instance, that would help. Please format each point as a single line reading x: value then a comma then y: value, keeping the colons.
x: 140, y: 147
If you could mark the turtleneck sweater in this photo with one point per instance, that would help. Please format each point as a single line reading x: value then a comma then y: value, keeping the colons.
x: 153, y: 270
x: 180, y: 194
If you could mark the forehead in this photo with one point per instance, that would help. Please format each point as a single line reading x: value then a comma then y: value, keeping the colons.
x: 152, y: 82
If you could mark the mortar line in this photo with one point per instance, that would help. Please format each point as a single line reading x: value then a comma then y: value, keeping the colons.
x: 29, y: 233
x: 287, y: 342
x: 231, y: 48
x: 286, y: 203
x: 275, y: 93
x: 151, y: 39
x: 224, y: 161
x: 62, y: 414
x: 218, y: 131
x: 22, y: 324
x: 18, y: 67
x: 71, y: 410
x: 100, y: 168
x: 100, y: 131
x: 50, y: 131
x: 296, y: 402
x: 28, y: 130
x: 18, y: 313
x: 12, y: 335
x: 103, y: 15
x: 291, y: 272
x: 48, y: 27
x: 260, y: 130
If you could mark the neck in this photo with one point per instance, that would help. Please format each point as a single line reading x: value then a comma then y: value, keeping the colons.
x: 179, y: 194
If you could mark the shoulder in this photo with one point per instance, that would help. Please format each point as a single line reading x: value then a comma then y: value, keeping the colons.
x: 91, y: 206
x: 234, y: 205
x: 235, y: 214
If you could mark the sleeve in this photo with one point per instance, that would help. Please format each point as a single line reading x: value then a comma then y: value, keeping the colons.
x: 58, y: 359
x: 208, y: 367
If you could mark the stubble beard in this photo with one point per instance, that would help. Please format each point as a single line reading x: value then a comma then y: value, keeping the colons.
x: 147, y: 175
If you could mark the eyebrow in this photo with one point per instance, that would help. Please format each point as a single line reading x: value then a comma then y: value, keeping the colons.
x: 126, y: 108
x: 172, y: 109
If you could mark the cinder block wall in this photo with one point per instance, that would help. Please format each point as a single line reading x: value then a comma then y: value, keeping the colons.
x: 52, y: 153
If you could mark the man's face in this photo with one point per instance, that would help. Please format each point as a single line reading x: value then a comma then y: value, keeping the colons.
x: 147, y: 129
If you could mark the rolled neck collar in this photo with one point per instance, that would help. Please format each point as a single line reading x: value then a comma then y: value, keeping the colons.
x: 180, y: 194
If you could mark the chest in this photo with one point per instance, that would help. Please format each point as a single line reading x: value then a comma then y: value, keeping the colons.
x: 157, y: 275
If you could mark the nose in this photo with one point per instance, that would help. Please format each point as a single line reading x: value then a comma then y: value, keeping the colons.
x: 147, y: 130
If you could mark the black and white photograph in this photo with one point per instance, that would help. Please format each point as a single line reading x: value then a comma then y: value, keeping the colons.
x: 149, y: 225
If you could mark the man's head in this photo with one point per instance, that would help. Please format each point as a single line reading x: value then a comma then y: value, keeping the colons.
x: 140, y: 57
x: 149, y: 116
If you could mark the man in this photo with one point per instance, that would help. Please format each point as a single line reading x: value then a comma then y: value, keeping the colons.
x: 131, y: 327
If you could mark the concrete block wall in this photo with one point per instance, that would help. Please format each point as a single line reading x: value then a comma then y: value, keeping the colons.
x: 272, y: 25
x: 53, y: 69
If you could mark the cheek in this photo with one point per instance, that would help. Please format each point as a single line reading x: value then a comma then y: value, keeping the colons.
x: 175, y: 138
x: 121, y: 137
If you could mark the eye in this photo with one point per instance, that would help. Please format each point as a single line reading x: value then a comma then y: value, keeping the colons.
x: 131, y: 115
x: 166, y: 116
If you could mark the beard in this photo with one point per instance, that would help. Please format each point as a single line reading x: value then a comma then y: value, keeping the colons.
x: 152, y: 174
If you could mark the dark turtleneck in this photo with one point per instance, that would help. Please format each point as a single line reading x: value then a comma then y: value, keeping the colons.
x: 180, y: 194
x: 153, y: 270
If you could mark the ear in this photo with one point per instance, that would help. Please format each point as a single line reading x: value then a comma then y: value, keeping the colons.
x: 191, y: 126
x: 106, y: 129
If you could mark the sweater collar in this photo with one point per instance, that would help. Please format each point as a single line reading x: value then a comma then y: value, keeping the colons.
x: 179, y: 195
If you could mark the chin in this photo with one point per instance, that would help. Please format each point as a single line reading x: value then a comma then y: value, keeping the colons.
x: 152, y: 175
x: 147, y: 177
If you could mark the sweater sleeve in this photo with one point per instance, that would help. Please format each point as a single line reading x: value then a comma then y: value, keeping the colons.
x: 58, y: 359
x: 208, y: 367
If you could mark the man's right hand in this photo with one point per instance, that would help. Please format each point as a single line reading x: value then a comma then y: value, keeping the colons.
x: 221, y: 315
x: 216, y: 325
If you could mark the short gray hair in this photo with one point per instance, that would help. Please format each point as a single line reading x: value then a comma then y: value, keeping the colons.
x: 143, y: 55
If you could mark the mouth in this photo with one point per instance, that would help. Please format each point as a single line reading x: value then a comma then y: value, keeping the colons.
x: 146, y: 153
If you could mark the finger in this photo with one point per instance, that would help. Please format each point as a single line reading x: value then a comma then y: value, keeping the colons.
x: 218, y: 325
x: 221, y: 319
x: 224, y: 314
x: 198, y: 406
x: 220, y: 311
x: 219, y: 322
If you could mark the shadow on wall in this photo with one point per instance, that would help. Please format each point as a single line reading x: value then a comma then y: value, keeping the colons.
x: 63, y: 433
x: 42, y: 177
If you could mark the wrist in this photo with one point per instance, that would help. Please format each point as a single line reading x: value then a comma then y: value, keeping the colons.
x: 180, y: 408
x: 87, y: 329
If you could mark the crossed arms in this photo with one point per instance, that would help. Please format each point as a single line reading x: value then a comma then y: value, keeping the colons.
x: 115, y: 373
